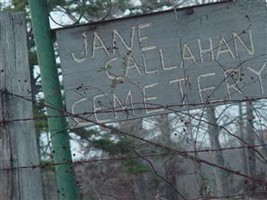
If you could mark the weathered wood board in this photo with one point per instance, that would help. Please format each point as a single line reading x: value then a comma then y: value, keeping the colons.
x: 164, y: 62
x: 18, y: 144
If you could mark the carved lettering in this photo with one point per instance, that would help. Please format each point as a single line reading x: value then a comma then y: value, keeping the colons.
x: 142, y: 38
x: 97, y: 106
x: 164, y: 67
x: 146, y: 67
x: 259, y: 74
x: 187, y: 54
x: 116, y: 36
x: 83, y: 58
x: 147, y: 100
x: 181, y: 91
x: 118, y: 105
x: 232, y: 77
x: 249, y: 48
x: 108, y: 67
x: 201, y: 89
x: 203, y: 52
x: 131, y: 64
x: 224, y: 48
x: 98, y: 44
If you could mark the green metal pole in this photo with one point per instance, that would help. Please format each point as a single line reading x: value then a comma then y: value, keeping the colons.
x: 51, y: 88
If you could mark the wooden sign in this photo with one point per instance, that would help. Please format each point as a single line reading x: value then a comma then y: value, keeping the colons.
x: 164, y: 62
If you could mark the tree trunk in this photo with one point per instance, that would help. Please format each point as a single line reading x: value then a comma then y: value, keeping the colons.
x: 170, y: 169
x: 140, y: 187
x: 134, y: 127
x: 250, y: 139
x: 220, y: 175
x: 242, y: 136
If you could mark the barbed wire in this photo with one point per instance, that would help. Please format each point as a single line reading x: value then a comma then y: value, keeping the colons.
x: 183, y: 154
x: 118, y: 109
x: 81, y: 14
x: 49, y: 164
